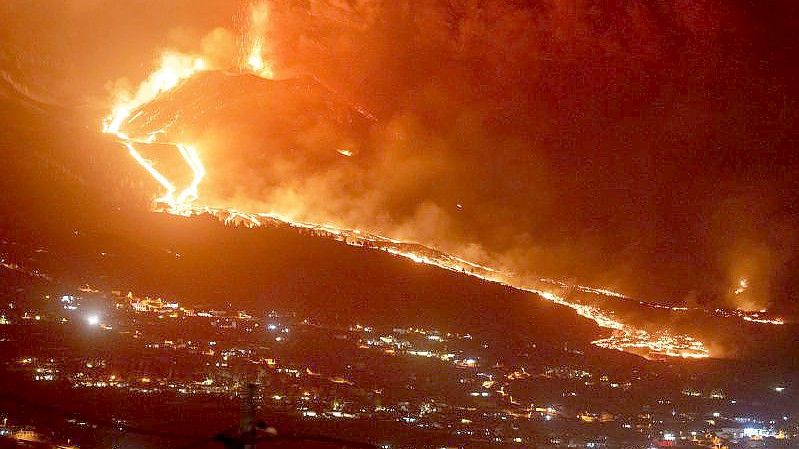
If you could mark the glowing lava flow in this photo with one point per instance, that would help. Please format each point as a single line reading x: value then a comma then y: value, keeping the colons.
x: 624, y: 337
x: 176, y: 67
x: 752, y: 317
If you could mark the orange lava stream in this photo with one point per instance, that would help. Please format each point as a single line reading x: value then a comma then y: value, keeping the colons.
x: 175, y: 68
x: 624, y: 337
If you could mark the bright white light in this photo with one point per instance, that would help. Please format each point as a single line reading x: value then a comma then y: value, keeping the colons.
x: 93, y: 320
x: 751, y: 431
x: 779, y: 389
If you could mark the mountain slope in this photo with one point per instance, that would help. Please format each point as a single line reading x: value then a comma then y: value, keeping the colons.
x: 78, y: 194
x: 67, y: 197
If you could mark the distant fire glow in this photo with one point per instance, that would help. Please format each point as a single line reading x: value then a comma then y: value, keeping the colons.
x: 743, y: 285
x: 176, y: 67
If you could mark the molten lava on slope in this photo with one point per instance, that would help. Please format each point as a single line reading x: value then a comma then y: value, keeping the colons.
x: 199, y: 111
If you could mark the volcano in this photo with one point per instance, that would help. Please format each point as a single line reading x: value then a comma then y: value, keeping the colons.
x: 262, y: 132
x: 259, y: 120
x: 79, y: 216
x: 226, y: 269
x: 274, y: 107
